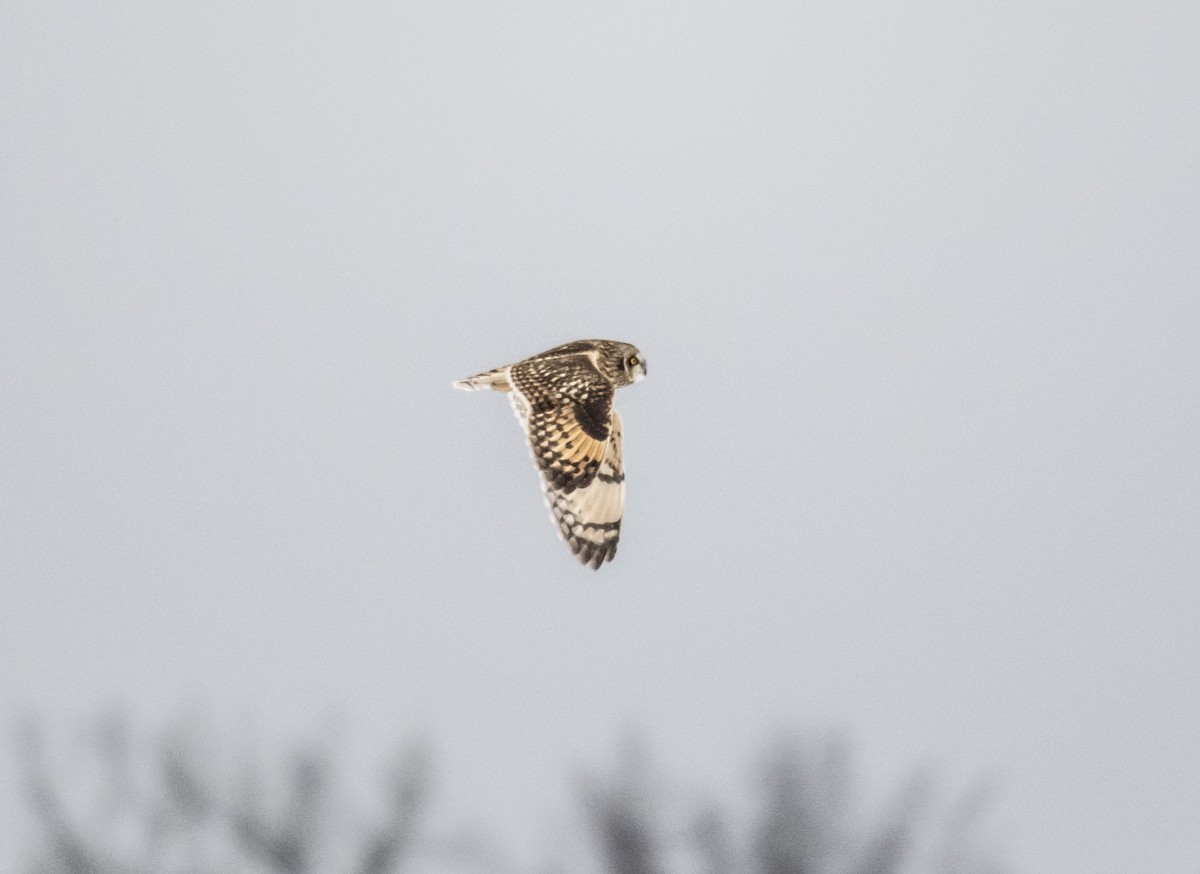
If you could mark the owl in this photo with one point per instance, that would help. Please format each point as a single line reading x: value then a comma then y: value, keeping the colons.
x: 563, y: 399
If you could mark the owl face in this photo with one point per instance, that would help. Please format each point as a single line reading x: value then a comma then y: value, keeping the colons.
x: 633, y: 364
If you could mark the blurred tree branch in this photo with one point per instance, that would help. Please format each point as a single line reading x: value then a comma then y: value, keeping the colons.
x: 181, y: 816
x: 169, y: 807
x: 803, y: 823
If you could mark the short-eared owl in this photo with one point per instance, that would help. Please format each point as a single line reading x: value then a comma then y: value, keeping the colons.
x: 564, y: 401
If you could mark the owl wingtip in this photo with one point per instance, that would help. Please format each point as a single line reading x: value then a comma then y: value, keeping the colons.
x: 595, y: 555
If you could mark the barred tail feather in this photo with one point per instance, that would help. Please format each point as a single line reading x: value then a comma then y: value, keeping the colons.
x: 491, y: 380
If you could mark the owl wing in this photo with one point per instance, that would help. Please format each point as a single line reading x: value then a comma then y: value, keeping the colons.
x: 565, y: 408
x: 589, y: 517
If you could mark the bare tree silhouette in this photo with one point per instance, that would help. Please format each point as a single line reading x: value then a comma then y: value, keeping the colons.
x: 802, y: 822
x: 176, y: 812
x: 622, y: 817
x: 170, y: 807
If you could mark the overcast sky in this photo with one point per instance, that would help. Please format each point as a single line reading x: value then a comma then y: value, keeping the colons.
x: 918, y: 454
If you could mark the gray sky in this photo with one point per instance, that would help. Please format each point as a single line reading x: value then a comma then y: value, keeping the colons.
x: 917, y: 456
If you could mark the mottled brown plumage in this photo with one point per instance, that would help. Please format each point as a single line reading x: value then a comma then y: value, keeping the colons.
x: 563, y: 398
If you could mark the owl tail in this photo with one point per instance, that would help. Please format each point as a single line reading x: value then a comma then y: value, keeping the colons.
x: 495, y: 380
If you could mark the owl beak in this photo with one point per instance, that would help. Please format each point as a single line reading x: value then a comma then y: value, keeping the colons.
x: 639, y: 370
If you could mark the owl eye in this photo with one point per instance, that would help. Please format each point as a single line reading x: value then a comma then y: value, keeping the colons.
x: 632, y: 360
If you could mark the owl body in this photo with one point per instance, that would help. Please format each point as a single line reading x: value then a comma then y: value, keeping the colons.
x: 563, y: 399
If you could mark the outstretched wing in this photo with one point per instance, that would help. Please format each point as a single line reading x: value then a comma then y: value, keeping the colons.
x: 589, y: 517
x: 565, y: 407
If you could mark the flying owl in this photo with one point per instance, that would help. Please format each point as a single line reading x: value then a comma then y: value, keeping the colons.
x: 563, y: 399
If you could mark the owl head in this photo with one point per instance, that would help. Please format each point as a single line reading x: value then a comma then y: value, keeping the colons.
x: 625, y: 363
